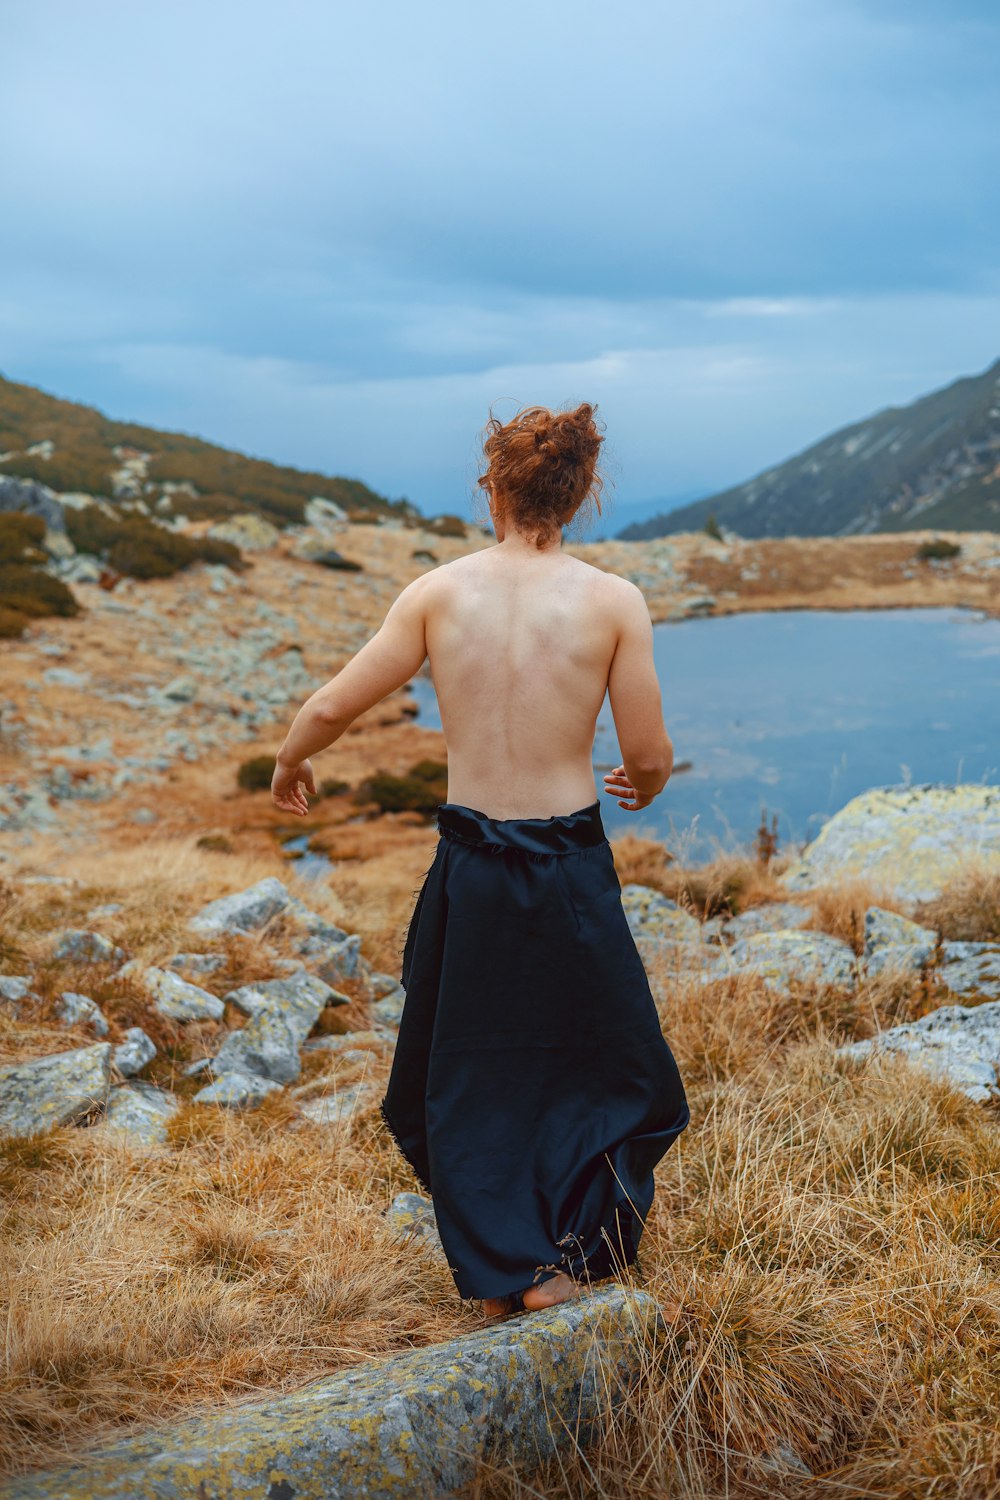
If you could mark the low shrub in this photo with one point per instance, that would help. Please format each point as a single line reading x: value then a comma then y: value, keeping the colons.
x: 417, y: 791
x: 215, y: 843
x: 937, y: 550
x: 256, y: 774
x: 142, y: 549
x: 446, y: 526
x: 33, y: 594
x: 21, y: 537
x: 333, y: 787
x: 711, y: 528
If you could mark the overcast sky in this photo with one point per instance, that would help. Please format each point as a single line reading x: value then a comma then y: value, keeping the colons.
x: 332, y: 235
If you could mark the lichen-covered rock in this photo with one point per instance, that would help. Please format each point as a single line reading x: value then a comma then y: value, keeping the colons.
x: 971, y: 969
x: 75, y: 1009
x: 389, y: 1010
x: 282, y: 1014
x: 893, y: 942
x: 786, y: 958
x: 131, y: 1055
x: 417, y: 1424
x: 910, y: 840
x: 15, y: 989
x: 196, y: 963
x: 236, y: 1090
x: 244, y: 911
x: 957, y: 1042
x: 337, y: 1108
x: 138, y: 1113
x: 176, y: 998
x: 349, y: 1041
x: 652, y: 915
x: 333, y: 961
x: 249, y: 532
x: 55, y: 1090
x: 411, y: 1216
x: 383, y: 984
x: 770, y: 916
x: 301, y: 991
x: 78, y: 947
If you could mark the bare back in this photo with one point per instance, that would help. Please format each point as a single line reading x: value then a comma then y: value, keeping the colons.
x: 520, y: 650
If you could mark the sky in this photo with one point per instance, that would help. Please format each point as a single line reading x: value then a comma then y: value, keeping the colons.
x: 335, y: 236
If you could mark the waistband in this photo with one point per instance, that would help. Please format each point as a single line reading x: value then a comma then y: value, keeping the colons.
x: 561, y: 834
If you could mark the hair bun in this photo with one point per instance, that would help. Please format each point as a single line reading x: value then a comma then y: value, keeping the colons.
x: 542, y: 465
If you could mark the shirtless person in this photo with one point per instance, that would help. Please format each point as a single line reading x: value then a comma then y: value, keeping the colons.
x: 524, y: 641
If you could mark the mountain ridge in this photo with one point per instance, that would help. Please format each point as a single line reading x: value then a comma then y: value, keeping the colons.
x: 934, y: 462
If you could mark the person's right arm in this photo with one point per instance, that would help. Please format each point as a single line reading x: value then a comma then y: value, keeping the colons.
x: 636, y: 704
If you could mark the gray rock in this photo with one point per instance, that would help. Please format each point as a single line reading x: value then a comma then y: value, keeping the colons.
x: 338, y: 1108
x: 131, y: 1055
x: 910, y: 840
x: 334, y: 962
x: 139, y: 1112
x: 411, y: 1217
x: 957, y: 1042
x: 894, y: 943
x: 33, y: 498
x: 175, y: 997
x: 65, y: 677
x: 79, y: 1010
x: 282, y: 1014
x: 389, y: 1010
x: 653, y: 916
x: 76, y: 946
x: 971, y: 969
x: 383, y: 984
x: 236, y: 1090
x: 786, y: 958
x: 196, y: 963
x: 181, y: 690
x: 420, y: 1423
x: 55, y: 1090
x: 14, y: 988
x: 783, y: 1460
x: 350, y: 1043
x: 244, y: 911
x: 770, y: 916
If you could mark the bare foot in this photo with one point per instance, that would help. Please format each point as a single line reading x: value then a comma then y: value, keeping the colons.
x: 550, y: 1293
x: 497, y: 1307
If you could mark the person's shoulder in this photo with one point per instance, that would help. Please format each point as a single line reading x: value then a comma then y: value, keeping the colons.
x: 615, y: 587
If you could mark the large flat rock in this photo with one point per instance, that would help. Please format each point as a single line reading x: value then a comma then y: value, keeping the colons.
x: 414, y: 1425
x: 910, y: 840
x: 957, y: 1042
x: 55, y: 1090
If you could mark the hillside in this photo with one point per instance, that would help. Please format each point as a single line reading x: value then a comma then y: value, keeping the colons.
x: 75, y: 448
x: 934, y: 463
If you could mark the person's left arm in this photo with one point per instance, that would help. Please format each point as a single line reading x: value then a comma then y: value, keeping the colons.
x: 386, y: 662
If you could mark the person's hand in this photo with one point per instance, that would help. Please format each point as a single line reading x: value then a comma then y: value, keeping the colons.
x: 617, y: 784
x: 286, y: 787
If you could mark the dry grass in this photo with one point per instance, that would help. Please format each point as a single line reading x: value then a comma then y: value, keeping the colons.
x: 968, y: 909
x: 829, y: 1229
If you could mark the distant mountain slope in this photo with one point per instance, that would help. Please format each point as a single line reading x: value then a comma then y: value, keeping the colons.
x: 934, y: 463
x: 71, y: 447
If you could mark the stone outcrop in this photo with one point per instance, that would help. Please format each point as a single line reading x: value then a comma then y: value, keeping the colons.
x: 56, y: 1090
x: 413, y: 1425
x: 895, y: 943
x: 244, y: 911
x: 250, y: 532
x: 770, y: 916
x: 910, y: 840
x: 783, y: 959
x: 957, y: 1042
x: 971, y: 968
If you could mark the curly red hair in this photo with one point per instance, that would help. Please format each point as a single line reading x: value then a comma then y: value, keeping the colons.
x: 541, y: 466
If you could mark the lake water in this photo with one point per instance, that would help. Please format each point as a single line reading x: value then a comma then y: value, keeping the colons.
x: 798, y: 711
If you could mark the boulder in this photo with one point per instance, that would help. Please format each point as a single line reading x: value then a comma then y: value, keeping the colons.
x: 78, y: 947
x: 333, y: 961
x: 236, y: 1090
x: 770, y: 916
x: 139, y: 1112
x: 244, y: 911
x: 33, y: 498
x: 909, y: 840
x: 419, y: 1423
x: 55, y: 1090
x: 971, y: 968
x: 957, y: 1042
x: 131, y: 1055
x: 383, y: 984
x: 786, y: 958
x: 389, y: 1010
x: 321, y: 513
x: 653, y: 916
x: 175, y: 997
x: 79, y: 1010
x: 895, y: 944
x: 250, y: 532
x: 282, y: 1014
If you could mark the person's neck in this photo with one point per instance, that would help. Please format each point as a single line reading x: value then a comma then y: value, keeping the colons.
x: 515, y: 541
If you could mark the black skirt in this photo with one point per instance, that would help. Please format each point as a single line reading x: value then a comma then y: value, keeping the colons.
x: 532, y: 1091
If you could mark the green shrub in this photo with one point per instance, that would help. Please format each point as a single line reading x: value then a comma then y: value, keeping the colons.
x: 938, y: 549
x: 21, y: 537
x: 417, y: 791
x: 711, y: 528
x: 257, y: 773
x: 12, y: 623
x: 333, y: 787
x: 140, y: 548
x: 215, y: 843
x: 29, y: 591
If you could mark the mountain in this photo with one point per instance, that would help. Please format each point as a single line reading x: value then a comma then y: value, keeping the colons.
x: 70, y: 448
x: 932, y: 464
